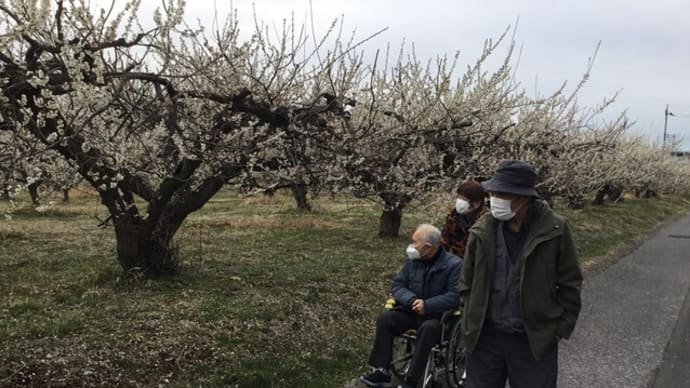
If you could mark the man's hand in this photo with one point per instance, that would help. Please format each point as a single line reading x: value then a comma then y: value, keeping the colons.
x: 418, y: 306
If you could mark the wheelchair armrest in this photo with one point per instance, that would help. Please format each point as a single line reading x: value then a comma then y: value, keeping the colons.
x: 450, y: 314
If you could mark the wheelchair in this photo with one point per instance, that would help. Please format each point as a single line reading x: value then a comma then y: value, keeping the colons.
x: 446, y: 364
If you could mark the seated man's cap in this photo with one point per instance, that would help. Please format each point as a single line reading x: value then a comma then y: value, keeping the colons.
x: 513, y: 177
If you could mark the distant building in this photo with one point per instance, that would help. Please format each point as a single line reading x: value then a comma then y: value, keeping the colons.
x: 681, y: 154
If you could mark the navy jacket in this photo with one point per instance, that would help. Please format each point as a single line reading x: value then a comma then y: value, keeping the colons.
x: 439, y: 288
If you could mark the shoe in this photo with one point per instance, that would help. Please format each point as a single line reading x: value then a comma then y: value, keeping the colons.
x: 407, y: 384
x: 376, y: 379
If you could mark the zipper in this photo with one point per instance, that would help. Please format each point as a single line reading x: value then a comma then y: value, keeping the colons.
x: 428, y: 273
x: 490, y: 266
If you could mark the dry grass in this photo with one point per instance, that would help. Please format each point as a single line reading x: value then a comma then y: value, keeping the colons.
x: 265, y: 223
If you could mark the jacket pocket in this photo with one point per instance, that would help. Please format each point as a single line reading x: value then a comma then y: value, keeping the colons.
x: 554, y: 311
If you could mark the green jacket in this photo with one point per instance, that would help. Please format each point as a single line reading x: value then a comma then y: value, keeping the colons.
x: 550, y: 279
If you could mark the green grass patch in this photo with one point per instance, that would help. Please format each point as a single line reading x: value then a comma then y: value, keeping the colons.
x: 266, y: 296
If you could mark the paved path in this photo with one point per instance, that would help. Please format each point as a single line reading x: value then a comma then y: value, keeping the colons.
x: 675, y: 368
x: 628, y: 317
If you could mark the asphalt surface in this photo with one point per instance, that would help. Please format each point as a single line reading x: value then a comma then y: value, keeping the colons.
x: 675, y: 368
x: 633, y: 329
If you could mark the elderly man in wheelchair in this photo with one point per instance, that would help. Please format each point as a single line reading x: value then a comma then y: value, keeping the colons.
x: 423, y: 321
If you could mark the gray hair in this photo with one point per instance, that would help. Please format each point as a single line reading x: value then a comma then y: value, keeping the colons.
x: 430, y: 234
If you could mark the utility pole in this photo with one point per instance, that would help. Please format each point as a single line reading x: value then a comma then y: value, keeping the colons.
x: 666, y: 114
x: 665, y: 125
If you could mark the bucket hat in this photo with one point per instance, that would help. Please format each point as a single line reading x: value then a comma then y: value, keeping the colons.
x: 513, y: 177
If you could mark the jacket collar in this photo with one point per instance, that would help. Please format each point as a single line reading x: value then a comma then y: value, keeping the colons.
x: 441, y: 260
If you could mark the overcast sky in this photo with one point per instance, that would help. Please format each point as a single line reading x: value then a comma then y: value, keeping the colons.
x: 644, y: 54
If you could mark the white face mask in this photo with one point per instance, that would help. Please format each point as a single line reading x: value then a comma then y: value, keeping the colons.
x: 501, y: 209
x: 412, y: 252
x: 462, y: 206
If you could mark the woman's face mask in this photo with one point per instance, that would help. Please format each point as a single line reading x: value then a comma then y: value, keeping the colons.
x: 462, y: 206
x: 501, y: 209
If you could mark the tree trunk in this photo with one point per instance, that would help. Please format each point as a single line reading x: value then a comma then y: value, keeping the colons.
x: 574, y: 201
x: 65, y: 195
x: 5, y: 192
x: 33, y: 192
x: 615, y: 194
x: 144, y: 244
x: 389, y: 224
x: 649, y: 193
x: 299, y: 192
x: 644, y: 193
x: 141, y: 250
x: 599, y: 198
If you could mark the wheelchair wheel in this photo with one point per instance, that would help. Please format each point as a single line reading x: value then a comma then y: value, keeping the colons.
x: 432, y: 377
x: 455, y: 360
x: 403, y: 349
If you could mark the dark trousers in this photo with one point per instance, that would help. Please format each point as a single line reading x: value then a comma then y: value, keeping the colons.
x: 499, y: 356
x: 393, y: 323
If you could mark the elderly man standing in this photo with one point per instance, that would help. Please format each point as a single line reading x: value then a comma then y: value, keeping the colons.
x: 425, y: 287
x: 521, y: 285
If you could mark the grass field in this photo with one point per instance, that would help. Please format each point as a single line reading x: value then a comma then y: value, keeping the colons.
x: 266, y: 296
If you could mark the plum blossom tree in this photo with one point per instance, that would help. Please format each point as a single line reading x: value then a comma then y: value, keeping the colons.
x: 167, y: 114
x: 26, y: 166
x: 415, y: 127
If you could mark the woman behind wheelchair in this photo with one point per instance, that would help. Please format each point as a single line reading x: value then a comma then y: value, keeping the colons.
x: 425, y: 287
x: 470, y: 205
